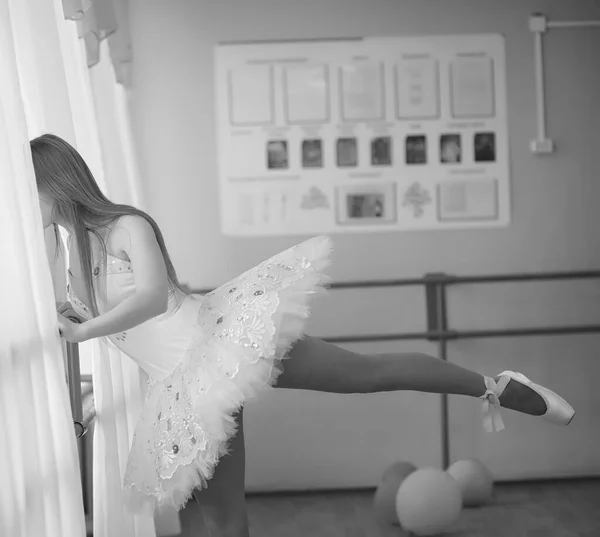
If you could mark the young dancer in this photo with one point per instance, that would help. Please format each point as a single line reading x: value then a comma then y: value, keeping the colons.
x: 206, y: 355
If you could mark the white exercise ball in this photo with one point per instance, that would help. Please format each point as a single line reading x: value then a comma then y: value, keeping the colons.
x: 384, y: 501
x: 475, y: 481
x: 428, y: 502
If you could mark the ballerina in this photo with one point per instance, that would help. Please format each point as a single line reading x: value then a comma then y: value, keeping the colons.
x: 206, y: 355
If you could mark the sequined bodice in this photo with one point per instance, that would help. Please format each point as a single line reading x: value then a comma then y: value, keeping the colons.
x: 156, y: 345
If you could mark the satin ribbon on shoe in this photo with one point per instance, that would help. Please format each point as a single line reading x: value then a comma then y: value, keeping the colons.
x: 492, y: 418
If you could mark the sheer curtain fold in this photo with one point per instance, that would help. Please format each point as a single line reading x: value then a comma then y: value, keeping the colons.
x: 118, y: 382
x: 41, y: 489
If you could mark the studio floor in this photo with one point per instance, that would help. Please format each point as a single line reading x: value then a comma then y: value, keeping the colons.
x: 541, y: 509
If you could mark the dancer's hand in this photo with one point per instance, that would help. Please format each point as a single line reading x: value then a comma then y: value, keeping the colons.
x: 72, y: 332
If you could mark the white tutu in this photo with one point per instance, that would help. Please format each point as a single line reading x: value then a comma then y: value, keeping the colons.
x: 243, y: 330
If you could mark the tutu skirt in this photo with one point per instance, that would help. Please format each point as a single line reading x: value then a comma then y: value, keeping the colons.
x: 243, y: 331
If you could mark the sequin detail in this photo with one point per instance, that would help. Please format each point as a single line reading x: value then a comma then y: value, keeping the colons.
x: 248, y: 314
x: 243, y: 330
x: 122, y: 337
x: 77, y: 304
x: 114, y: 265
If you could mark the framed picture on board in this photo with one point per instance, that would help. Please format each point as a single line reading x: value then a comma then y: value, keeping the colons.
x: 366, y: 204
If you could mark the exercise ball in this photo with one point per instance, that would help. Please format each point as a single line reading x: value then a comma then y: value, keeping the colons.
x: 475, y: 481
x: 385, y: 495
x: 428, y: 502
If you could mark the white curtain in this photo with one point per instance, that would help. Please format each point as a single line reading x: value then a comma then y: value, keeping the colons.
x: 40, y: 493
x: 46, y: 87
x: 118, y: 382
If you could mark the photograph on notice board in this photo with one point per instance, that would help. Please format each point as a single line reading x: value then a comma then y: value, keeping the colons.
x: 416, y: 149
x: 485, y: 147
x: 381, y: 151
x: 312, y: 153
x: 277, y: 155
x: 366, y: 204
x: 347, y: 152
x: 450, y: 149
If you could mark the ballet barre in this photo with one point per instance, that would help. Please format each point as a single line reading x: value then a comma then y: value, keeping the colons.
x: 82, y: 399
x: 436, y: 286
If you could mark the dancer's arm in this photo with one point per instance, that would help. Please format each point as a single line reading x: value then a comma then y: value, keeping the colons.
x: 136, y: 238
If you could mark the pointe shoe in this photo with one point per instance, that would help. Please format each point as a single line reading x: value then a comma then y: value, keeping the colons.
x: 558, y: 411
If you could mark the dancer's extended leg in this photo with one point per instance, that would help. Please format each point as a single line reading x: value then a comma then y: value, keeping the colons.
x: 314, y: 364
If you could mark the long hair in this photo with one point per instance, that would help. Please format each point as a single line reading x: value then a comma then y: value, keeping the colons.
x: 62, y: 174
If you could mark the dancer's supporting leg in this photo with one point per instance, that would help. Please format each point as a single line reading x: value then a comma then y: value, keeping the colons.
x: 220, y: 509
